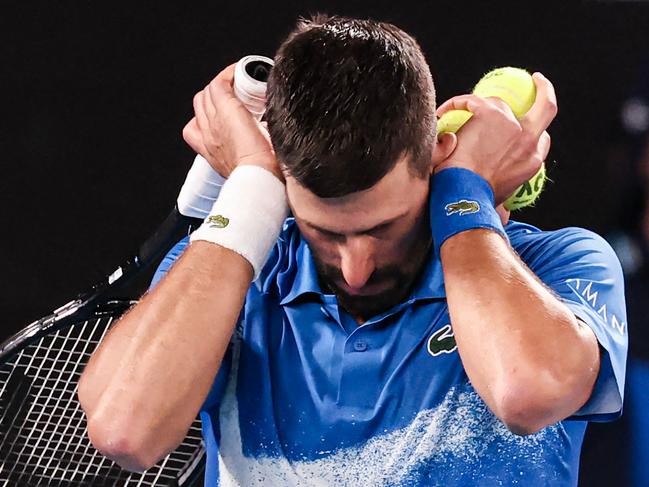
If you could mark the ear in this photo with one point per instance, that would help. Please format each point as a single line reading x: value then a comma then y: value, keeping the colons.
x: 443, y: 148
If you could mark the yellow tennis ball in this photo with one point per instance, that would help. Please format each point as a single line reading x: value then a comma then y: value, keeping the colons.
x: 527, y: 193
x: 515, y: 87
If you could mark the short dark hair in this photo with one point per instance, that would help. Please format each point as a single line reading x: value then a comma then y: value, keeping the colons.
x: 346, y: 99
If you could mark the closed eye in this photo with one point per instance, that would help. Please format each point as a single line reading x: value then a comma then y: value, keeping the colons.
x: 331, y: 235
x: 379, y: 231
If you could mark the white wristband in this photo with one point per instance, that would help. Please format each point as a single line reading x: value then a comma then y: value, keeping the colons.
x: 248, y: 215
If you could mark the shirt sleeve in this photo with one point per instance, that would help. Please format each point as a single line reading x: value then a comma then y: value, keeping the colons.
x: 218, y: 387
x: 168, y: 261
x: 583, y: 270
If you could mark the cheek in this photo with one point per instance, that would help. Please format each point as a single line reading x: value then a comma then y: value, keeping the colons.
x: 410, y: 237
x: 393, y: 251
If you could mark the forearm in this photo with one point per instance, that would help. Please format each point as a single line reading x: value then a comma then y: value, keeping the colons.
x: 524, y: 351
x: 152, y: 372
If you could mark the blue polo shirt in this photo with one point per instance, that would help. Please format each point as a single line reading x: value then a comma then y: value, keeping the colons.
x: 305, y: 397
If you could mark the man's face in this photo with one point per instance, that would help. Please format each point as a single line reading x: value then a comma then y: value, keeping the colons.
x: 368, y: 246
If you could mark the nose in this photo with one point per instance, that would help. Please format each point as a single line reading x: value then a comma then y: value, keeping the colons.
x: 356, y: 261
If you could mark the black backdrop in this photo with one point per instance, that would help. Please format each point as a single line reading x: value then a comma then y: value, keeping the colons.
x: 95, y: 94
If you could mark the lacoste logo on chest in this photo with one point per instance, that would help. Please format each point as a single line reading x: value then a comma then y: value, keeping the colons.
x: 442, y: 341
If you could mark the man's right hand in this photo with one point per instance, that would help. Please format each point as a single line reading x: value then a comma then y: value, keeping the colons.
x: 225, y: 133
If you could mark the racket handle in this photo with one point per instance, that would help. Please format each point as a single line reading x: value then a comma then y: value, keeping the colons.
x: 250, y: 81
x: 203, y: 184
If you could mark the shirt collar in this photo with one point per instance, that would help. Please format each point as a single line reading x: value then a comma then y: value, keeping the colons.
x: 306, y: 276
x: 430, y: 284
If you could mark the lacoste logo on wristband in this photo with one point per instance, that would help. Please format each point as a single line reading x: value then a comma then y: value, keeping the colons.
x: 217, y: 221
x: 463, y: 207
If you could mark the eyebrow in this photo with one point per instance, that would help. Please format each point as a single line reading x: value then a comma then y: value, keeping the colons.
x: 374, y: 228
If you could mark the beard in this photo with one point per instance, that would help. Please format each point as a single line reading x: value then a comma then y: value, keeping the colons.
x: 397, y: 279
x: 397, y: 285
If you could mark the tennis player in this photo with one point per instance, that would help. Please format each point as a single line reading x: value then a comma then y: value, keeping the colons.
x: 399, y: 328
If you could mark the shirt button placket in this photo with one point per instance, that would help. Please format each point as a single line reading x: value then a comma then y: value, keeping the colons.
x: 360, y: 345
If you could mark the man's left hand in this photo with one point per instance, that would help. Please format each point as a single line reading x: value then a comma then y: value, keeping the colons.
x: 494, y: 144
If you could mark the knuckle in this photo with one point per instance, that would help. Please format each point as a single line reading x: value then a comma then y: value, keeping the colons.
x: 213, y: 90
x: 534, y: 166
x: 528, y: 143
x: 196, y: 101
x: 535, y: 163
x: 500, y: 103
x: 218, y: 87
x: 546, y: 141
x: 188, y: 134
x: 515, y: 129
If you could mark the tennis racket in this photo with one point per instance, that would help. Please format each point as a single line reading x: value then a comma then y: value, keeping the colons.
x: 43, y: 434
x: 43, y: 431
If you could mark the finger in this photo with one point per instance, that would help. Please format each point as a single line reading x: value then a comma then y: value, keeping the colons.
x: 264, y: 129
x: 219, y: 97
x: 219, y: 90
x: 500, y: 104
x: 209, y: 102
x: 227, y: 75
x: 223, y: 84
x: 472, y: 103
x: 535, y: 159
x: 202, y: 123
x: 266, y: 134
x: 448, y: 104
x: 545, y: 142
x: 544, y: 109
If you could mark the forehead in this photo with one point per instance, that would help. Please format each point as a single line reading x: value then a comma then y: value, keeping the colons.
x: 397, y: 193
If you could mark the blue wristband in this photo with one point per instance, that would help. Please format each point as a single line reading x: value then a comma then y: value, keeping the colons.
x: 461, y: 200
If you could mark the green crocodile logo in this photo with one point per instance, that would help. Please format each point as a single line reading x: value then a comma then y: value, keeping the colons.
x: 442, y: 341
x: 217, y: 221
x: 463, y: 207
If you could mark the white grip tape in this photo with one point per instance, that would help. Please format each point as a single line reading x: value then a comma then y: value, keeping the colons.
x: 248, y: 215
x: 251, y: 92
x: 200, y: 190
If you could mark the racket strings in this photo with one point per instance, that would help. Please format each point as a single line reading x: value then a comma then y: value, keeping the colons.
x: 43, y: 431
x: 48, y: 402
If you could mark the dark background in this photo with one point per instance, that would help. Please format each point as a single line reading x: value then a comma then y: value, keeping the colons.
x: 95, y: 94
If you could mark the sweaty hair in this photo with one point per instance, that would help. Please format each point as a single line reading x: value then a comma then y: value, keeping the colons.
x: 346, y: 99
